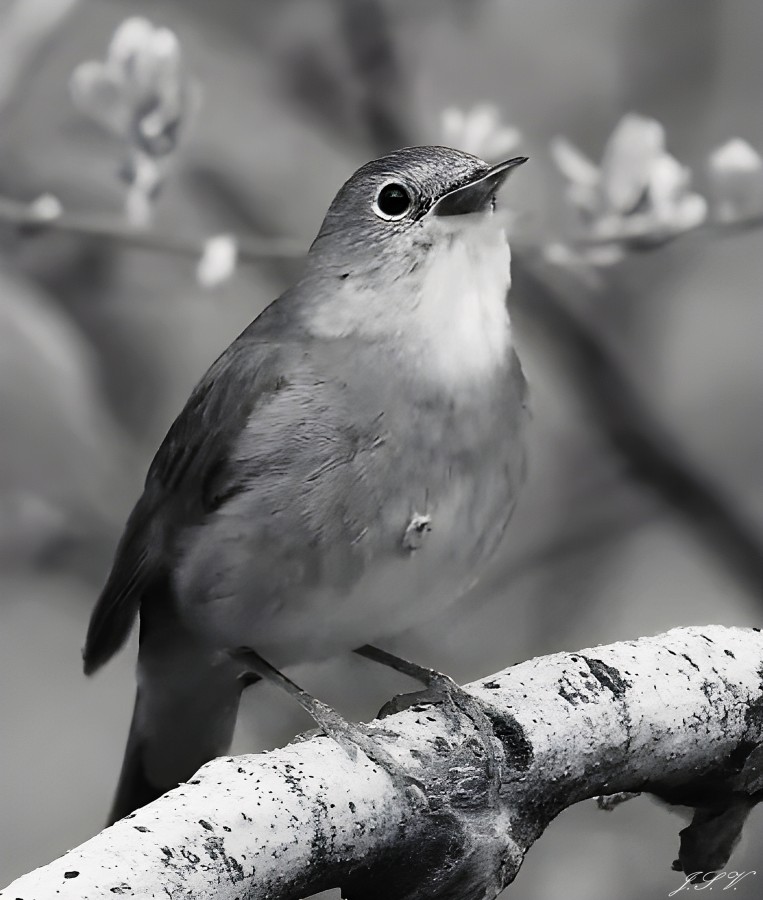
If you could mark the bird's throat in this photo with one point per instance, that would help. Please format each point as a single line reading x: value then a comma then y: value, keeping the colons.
x: 460, y: 322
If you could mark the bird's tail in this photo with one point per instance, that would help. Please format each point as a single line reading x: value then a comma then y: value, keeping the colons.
x: 185, y: 714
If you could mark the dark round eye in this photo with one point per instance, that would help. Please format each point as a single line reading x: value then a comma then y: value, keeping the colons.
x: 393, y: 201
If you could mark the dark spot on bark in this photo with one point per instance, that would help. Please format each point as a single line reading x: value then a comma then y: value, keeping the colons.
x: 441, y: 746
x: 690, y: 661
x: 215, y: 847
x: 141, y: 828
x: 352, y: 807
x: 294, y: 781
x: 206, y: 825
x: 71, y: 874
x: 608, y: 677
x: 708, y: 639
x: 571, y: 695
x: 344, y: 275
x: 491, y: 685
x: 120, y: 889
x: 518, y: 750
x: 167, y: 853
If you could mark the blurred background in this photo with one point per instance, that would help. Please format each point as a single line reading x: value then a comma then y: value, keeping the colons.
x: 644, y: 503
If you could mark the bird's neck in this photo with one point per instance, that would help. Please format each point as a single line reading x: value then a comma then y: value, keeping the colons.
x: 443, y: 321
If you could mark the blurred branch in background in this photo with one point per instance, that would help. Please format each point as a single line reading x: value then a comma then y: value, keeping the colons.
x: 45, y: 214
x: 383, y: 104
x: 652, y: 454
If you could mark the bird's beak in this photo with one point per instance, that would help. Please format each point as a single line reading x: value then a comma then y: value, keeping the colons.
x: 475, y: 196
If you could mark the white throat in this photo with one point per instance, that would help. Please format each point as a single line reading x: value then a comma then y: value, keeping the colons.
x: 446, y: 319
x: 461, y: 319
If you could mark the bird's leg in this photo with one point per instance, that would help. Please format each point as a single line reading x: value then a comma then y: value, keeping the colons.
x: 440, y: 688
x: 350, y: 736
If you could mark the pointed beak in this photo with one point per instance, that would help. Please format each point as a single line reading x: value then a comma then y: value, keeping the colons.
x: 476, y: 196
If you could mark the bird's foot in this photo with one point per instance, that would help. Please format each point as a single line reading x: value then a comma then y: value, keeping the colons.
x: 440, y: 688
x: 351, y: 737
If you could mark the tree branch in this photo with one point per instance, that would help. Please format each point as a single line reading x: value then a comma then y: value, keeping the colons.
x: 646, y: 239
x: 25, y: 216
x: 679, y: 715
x: 630, y: 424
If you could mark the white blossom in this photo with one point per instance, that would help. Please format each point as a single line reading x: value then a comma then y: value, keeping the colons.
x: 218, y: 260
x: 140, y: 91
x: 142, y: 95
x: 479, y: 131
x: 736, y: 181
x: 632, y: 150
x: 46, y: 208
x: 639, y: 192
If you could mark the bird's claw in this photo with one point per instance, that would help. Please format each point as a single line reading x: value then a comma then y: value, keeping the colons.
x: 441, y: 688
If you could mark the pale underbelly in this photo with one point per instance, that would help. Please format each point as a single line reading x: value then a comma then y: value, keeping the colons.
x: 393, y: 597
x: 397, y: 588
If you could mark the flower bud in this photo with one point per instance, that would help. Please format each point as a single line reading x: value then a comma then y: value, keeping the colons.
x: 736, y: 181
x: 218, y: 260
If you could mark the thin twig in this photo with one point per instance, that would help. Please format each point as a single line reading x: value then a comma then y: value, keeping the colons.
x: 645, y: 239
x: 25, y: 217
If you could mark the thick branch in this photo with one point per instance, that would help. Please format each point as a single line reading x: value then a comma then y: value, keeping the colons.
x: 679, y: 715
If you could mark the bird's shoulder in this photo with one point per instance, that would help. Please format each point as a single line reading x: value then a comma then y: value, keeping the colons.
x: 247, y: 377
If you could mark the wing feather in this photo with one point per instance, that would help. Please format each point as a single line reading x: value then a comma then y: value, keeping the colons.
x: 190, y: 475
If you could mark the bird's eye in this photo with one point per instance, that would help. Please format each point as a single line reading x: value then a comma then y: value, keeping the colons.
x: 392, y: 202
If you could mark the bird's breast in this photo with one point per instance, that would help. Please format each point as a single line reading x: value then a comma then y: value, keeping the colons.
x: 390, y: 532
x: 365, y: 515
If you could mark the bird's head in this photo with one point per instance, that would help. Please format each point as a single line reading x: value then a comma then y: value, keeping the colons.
x: 393, y: 208
x: 411, y: 245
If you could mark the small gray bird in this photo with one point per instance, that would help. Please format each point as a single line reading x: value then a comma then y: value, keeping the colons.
x: 340, y: 474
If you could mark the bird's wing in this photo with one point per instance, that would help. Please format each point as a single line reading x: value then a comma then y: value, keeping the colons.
x: 189, y: 476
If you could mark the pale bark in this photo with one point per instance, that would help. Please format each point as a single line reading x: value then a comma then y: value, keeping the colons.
x: 679, y: 715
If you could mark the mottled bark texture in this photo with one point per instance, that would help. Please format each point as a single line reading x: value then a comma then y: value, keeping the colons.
x: 679, y: 715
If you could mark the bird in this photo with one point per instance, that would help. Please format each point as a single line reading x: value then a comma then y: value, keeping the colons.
x: 342, y: 472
